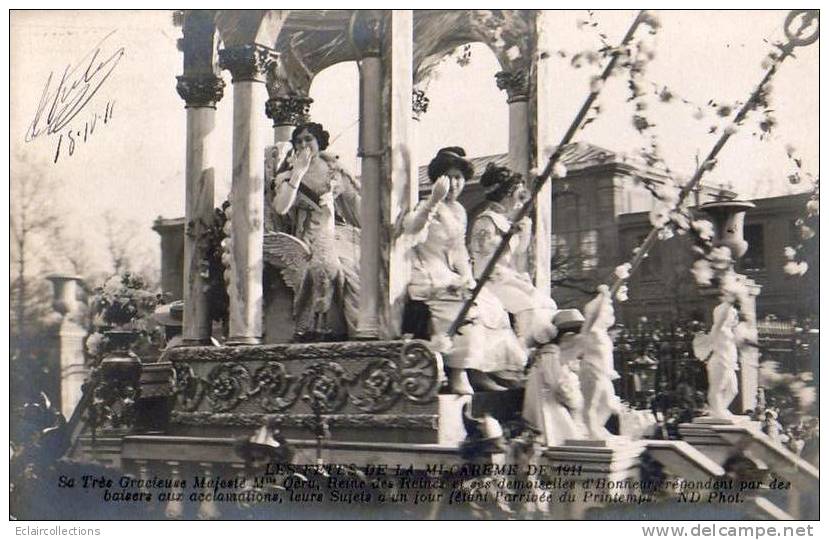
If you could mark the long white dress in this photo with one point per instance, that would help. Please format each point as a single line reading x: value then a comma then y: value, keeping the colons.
x: 532, y: 309
x: 441, y: 273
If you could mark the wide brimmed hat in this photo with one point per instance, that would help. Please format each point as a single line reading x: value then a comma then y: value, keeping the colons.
x: 568, y: 320
x: 171, y: 314
x: 449, y: 158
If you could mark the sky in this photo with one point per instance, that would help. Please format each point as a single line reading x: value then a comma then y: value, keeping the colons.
x: 133, y: 164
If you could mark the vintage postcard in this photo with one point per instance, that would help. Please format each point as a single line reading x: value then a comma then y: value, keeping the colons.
x: 415, y: 264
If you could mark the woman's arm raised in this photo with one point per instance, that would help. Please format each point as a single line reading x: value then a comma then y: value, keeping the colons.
x: 288, y: 183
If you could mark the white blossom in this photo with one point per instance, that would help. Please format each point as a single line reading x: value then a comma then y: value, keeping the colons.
x: 720, y: 258
x: 680, y: 220
x: 559, y: 170
x: 660, y: 215
x: 806, y: 233
x: 622, y: 293
x: 731, y: 284
x: 702, y: 271
x: 704, y: 228
x: 789, y: 252
x: 805, y: 394
x: 623, y: 271
x: 95, y: 343
x: 513, y: 52
x: 665, y: 233
x: 667, y: 193
x: 795, y: 268
x: 813, y: 207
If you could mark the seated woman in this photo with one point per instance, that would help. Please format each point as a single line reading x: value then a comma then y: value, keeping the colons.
x: 323, y: 203
x: 532, y: 309
x: 442, y: 278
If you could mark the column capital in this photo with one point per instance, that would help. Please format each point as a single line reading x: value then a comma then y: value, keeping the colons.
x: 247, y: 62
x: 516, y: 82
x: 288, y: 110
x: 203, y: 90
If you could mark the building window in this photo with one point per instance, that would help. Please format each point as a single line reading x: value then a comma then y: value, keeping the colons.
x: 651, y: 267
x: 576, y: 250
x: 589, y: 250
x: 754, y: 259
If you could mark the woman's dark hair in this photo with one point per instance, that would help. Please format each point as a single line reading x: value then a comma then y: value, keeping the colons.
x: 447, y: 158
x: 498, y: 182
x: 314, y: 129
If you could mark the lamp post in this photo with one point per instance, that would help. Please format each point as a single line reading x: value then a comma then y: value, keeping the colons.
x: 644, y: 379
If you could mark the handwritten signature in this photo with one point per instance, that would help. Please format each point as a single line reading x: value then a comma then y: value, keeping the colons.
x: 76, y: 87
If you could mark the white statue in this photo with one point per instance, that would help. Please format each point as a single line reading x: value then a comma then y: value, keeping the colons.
x: 597, y: 373
x: 719, y: 347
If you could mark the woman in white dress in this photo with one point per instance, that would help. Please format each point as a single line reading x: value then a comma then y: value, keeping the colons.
x: 532, y: 309
x: 442, y: 278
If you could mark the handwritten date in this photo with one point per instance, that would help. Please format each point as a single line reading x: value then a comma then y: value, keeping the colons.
x: 76, y: 86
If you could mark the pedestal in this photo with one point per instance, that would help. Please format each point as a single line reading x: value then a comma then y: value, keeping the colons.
x: 592, y: 473
x: 73, y: 370
x: 702, y: 435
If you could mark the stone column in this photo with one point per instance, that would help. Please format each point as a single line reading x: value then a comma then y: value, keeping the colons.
x: 749, y: 354
x: 529, y: 142
x: 389, y: 181
x: 247, y: 65
x: 367, y: 31
x: 200, y: 92
x: 542, y: 142
x: 72, y: 368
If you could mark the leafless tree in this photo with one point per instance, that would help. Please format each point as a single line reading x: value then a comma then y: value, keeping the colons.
x: 33, y: 215
x: 126, y: 253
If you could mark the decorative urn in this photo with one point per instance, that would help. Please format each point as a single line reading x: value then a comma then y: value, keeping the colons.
x: 729, y: 217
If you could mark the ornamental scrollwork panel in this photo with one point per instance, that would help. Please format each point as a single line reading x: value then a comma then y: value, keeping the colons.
x: 397, y: 371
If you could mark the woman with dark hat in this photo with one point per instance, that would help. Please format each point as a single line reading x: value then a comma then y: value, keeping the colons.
x: 323, y: 202
x: 533, y: 310
x: 442, y: 278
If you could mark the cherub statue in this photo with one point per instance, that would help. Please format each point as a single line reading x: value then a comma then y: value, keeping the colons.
x: 719, y: 348
x: 596, y: 373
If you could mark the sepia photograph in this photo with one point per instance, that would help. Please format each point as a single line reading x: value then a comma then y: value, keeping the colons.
x: 396, y: 264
